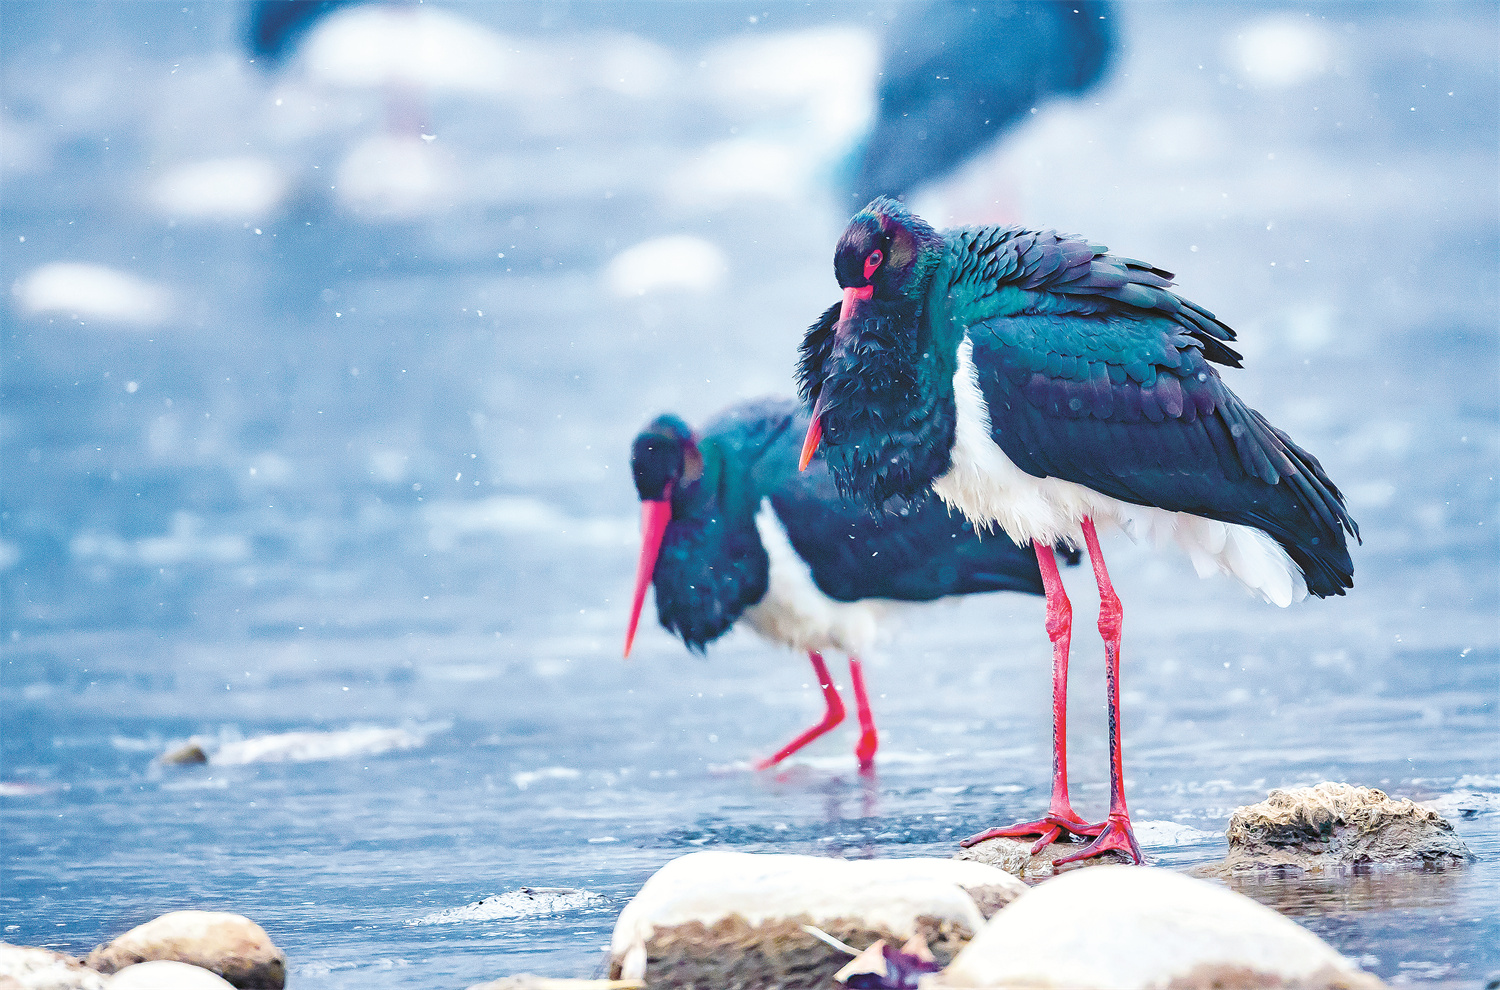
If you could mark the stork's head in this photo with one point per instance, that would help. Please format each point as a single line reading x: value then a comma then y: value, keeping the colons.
x: 861, y: 371
x: 665, y: 461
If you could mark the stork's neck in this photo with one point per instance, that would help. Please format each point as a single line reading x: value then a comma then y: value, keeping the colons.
x: 712, y: 565
x: 890, y: 414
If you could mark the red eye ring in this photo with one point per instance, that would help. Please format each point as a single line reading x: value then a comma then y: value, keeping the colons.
x: 872, y: 262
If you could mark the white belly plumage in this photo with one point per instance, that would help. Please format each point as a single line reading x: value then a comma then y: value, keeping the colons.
x: 989, y: 489
x: 796, y: 613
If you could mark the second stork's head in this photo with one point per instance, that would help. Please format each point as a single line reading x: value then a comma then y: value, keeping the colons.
x: 868, y: 367
x: 667, y: 466
x: 699, y: 544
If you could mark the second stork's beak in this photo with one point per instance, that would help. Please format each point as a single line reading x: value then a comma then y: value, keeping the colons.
x: 853, y: 296
x: 655, y: 514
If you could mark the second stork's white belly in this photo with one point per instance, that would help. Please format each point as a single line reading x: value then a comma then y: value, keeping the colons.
x: 796, y: 613
x: 988, y: 488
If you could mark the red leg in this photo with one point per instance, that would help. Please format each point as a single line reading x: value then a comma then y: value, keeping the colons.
x: 868, y: 739
x: 832, y: 717
x: 1060, y: 816
x: 1117, y: 833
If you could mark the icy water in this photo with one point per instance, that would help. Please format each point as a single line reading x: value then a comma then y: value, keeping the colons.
x: 341, y: 451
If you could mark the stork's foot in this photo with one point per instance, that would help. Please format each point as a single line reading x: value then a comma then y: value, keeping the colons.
x: 865, y: 749
x: 1115, y: 834
x: 834, y: 717
x: 1050, y: 829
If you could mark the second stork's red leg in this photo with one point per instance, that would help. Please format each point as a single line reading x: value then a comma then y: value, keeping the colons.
x: 1060, y: 815
x: 868, y: 739
x: 1117, y: 833
x: 832, y: 717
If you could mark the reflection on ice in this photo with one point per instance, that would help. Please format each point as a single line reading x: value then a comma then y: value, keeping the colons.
x: 1342, y: 892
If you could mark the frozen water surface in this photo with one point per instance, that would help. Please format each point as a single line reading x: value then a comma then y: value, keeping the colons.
x: 318, y: 385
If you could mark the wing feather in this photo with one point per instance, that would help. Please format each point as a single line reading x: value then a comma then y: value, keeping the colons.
x: 1176, y: 438
x: 1063, y: 273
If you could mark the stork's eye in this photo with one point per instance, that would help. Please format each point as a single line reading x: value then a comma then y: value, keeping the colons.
x: 872, y: 262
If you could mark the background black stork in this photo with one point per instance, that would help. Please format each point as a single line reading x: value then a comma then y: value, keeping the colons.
x: 1035, y: 381
x: 731, y: 529
x: 956, y: 76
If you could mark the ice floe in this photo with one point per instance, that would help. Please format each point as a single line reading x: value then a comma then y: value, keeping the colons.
x: 526, y: 902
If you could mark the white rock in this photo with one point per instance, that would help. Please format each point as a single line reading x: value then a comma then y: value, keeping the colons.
x: 1125, y: 927
x: 693, y: 908
x: 163, y: 974
x: 26, y: 968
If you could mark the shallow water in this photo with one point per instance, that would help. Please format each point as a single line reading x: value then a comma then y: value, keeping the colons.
x: 369, y: 479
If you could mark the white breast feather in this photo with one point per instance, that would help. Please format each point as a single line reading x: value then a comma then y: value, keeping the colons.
x: 794, y: 612
x: 988, y: 488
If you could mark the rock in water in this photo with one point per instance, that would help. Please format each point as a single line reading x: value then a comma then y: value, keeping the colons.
x: 1332, y: 825
x: 734, y: 920
x: 188, y: 753
x: 164, y: 974
x: 1123, y: 928
x: 25, y: 968
x: 232, y: 946
x: 1014, y: 857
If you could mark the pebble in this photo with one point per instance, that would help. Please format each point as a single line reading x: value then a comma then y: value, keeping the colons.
x: 232, y: 946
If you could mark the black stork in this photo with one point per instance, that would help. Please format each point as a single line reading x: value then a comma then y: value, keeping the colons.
x: 955, y: 76
x: 1038, y: 383
x: 731, y: 529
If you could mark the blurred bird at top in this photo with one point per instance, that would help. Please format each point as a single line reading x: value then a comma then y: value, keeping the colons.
x: 954, y: 76
x: 276, y: 26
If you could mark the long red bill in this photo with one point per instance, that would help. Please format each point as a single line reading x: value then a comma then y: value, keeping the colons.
x: 810, y: 443
x: 655, y: 514
x: 853, y: 296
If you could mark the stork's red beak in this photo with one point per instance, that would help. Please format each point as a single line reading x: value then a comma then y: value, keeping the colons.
x: 853, y: 296
x: 655, y: 514
x: 810, y: 444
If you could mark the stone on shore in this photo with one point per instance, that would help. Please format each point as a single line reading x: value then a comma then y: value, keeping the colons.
x: 232, y: 946
x: 1122, y: 928
x: 727, y: 920
x: 26, y: 968
x: 164, y: 974
x: 1014, y: 857
x: 1336, y: 825
x: 186, y: 754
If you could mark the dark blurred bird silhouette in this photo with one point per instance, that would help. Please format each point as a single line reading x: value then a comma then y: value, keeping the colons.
x: 731, y: 530
x: 954, y: 76
x: 277, y: 26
